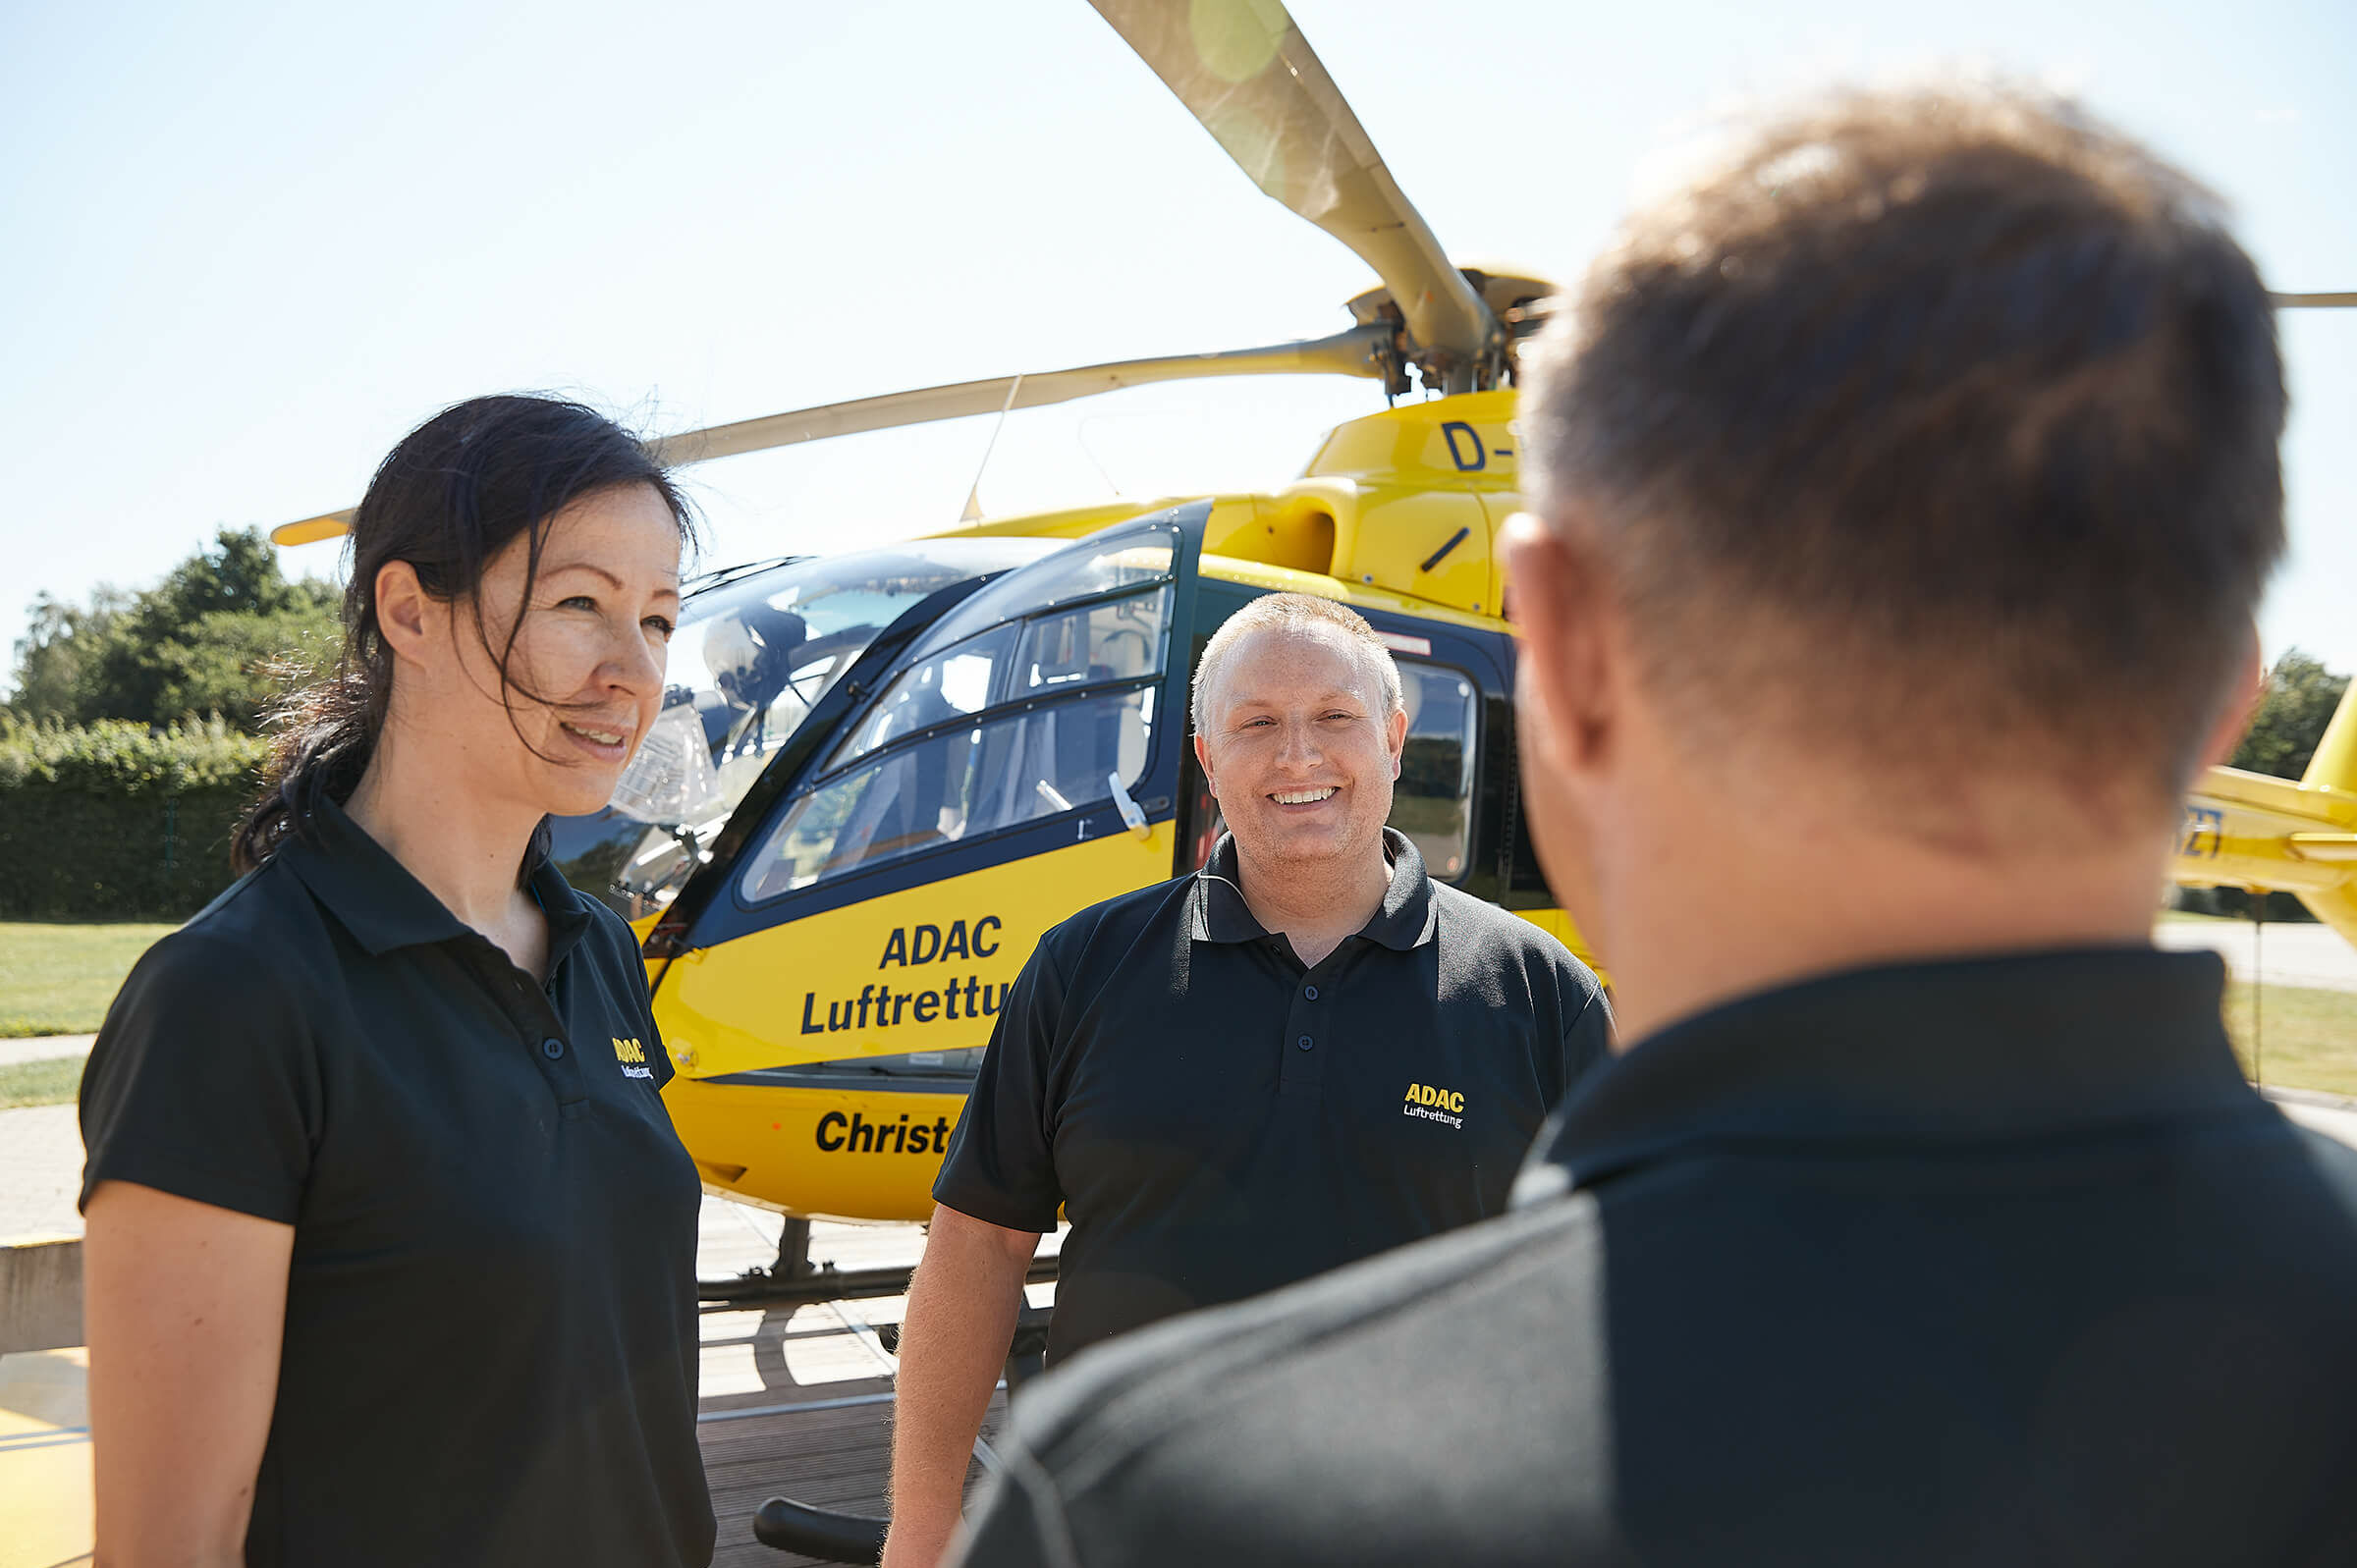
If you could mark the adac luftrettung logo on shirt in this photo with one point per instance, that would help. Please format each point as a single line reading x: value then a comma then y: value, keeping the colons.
x: 632, y: 1057
x: 1435, y: 1105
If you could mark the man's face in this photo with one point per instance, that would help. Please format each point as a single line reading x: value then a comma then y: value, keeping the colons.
x: 1299, y: 746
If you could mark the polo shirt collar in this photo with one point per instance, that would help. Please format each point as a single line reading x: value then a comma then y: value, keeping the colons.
x: 377, y: 898
x: 1404, y: 920
x: 1972, y: 1048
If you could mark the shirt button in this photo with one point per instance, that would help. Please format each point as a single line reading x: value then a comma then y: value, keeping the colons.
x: 1304, y: 1042
x: 552, y: 1048
x: 1311, y: 992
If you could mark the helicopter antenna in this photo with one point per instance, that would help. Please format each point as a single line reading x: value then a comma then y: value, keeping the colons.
x: 974, y: 494
x: 1080, y: 436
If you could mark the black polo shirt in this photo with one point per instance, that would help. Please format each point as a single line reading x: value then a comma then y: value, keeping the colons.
x: 1217, y: 1120
x: 1988, y: 1263
x: 490, y: 1349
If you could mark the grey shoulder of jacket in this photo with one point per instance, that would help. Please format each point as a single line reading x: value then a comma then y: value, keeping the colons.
x: 1125, y: 1392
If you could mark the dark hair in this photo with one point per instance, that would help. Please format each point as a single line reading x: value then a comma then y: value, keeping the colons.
x: 454, y: 493
x: 1938, y: 424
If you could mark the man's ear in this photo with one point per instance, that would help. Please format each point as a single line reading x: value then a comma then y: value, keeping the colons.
x: 1399, y: 739
x: 406, y: 615
x: 2250, y: 684
x: 1203, y: 757
x: 1562, y: 677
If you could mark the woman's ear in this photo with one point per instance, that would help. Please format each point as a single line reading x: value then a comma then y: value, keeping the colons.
x: 406, y: 615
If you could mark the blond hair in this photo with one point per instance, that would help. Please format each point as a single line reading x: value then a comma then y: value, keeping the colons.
x: 1297, y: 614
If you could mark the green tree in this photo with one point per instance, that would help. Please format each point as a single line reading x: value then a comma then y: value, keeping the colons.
x: 58, y: 656
x: 210, y: 638
x: 2300, y: 699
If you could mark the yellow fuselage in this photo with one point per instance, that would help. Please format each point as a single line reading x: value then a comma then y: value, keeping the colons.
x: 1398, y: 512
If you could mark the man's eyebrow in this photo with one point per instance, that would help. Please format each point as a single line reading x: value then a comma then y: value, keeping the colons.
x: 1330, y: 694
x: 590, y: 566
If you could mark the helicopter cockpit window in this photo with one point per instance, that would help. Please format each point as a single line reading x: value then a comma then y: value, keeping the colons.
x: 958, y: 784
x: 754, y: 653
x: 1432, y: 802
x: 976, y: 733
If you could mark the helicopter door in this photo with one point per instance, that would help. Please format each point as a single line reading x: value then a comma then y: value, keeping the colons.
x: 1016, y: 764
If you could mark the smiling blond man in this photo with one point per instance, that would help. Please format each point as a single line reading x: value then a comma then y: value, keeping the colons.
x: 1304, y: 1053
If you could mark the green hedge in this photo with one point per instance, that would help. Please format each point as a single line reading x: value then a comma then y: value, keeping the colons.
x: 113, y: 821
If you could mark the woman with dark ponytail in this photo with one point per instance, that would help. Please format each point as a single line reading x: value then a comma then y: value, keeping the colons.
x: 391, y: 1245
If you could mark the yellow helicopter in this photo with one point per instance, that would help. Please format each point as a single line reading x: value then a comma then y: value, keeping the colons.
x: 879, y: 777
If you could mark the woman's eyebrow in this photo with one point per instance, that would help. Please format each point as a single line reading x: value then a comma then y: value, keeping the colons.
x: 588, y: 565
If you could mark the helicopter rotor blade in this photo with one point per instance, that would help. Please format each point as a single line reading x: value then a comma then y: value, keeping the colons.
x: 1355, y: 352
x: 1363, y: 351
x: 327, y: 525
x: 2313, y: 302
x: 1243, y: 70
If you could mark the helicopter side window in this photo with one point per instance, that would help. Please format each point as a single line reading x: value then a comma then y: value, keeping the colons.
x: 951, y: 786
x: 1433, y: 802
x: 958, y: 681
x: 1119, y: 640
x: 977, y: 733
x: 1080, y: 574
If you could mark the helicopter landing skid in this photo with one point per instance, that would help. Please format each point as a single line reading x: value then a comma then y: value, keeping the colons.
x: 793, y: 1281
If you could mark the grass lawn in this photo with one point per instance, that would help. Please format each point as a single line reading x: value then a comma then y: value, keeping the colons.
x: 57, y: 978
x: 54, y: 1082
x: 2306, y: 1038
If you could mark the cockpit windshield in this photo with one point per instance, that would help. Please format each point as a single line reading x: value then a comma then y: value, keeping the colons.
x: 754, y: 652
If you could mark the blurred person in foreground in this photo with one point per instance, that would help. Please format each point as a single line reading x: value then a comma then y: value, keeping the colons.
x: 1304, y: 1053
x: 391, y: 1253
x: 1903, y: 493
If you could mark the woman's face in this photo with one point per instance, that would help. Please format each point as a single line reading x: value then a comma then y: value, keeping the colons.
x: 585, y: 677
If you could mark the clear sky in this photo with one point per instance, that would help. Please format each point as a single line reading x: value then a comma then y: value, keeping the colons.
x: 247, y: 246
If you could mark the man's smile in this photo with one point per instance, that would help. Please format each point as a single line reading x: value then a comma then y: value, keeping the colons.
x: 1303, y: 797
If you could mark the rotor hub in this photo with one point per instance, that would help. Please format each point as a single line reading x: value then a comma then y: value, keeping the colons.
x: 1517, y: 299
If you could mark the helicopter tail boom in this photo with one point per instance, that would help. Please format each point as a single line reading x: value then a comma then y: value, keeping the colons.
x: 2269, y: 834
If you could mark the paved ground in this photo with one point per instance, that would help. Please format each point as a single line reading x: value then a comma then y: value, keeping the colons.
x: 2315, y: 956
x: 2336, y: 1119
x: 43, y: 1047
x: 40, y: 1172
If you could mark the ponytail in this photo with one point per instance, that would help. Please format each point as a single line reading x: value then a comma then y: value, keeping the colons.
x: 326, y: 736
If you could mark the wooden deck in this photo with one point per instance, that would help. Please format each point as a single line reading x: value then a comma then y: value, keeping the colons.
x: 799, y: 1403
